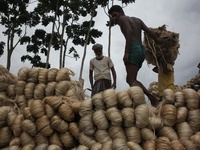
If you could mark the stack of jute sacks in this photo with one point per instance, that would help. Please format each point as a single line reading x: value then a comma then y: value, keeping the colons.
x: 39, y: 109
x: 59, y: 119
x: 164, y: 54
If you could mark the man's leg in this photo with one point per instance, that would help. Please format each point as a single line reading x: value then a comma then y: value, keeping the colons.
x: 131, y: 79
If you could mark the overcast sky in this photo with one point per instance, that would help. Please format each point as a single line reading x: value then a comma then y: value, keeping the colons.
x: 180, y: 16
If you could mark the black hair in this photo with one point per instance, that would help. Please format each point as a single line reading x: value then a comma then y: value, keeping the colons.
x: 115, y: 8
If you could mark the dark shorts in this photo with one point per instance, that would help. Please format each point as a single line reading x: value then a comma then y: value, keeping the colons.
x: 101, y: 85
x: 136, y: 55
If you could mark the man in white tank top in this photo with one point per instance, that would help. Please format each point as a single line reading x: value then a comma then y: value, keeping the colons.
x: 100, y: 67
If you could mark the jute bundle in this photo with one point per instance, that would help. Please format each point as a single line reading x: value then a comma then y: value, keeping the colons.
x: 41, y: 139
x: 15, y: 147
x: 28, y: 147
x: 16, y: 126
x: 62, y: 87
x: 114, y: 115
x: 23, y: 73
x: 137, y: 95
x: 153, y: 89
x: 188, y: 144
x: 177, y: 145
x: 76, y: 90
x: 86, y: 107
x: 50, y: 111
x: 11, y: 117
x: 147, y: 134
x: 74, y: 130
x: 119, y: 144
x: 155, y: 123
x: 29, y: 90
x: 43, y: 126
x: 142, y: 115
x: 96, y: 146
x: 149, y: 145
x: 100, y: 120
x: 86, y: 125
x: 182, y: 113
x: 168, y: 132
x: 128, y: 116
x: 54, y: 147
x: 26, y: 139
x: 53, y: 101
x: 102, y: 136
x: 124, y: 99
x: 133, y: 134
x: 27, y: 113
x: 21, y: 101
x: 51, y: 75
x: 168, y: 114
x: 66, y: 112
x: 29, y: 127
x: 107, y: 145
x: 41, y: 147
x: 11, y: 91
x: 110, y: 98
x: 168, y: 51
x: 37, y: 108
x: 98, y: 102
x: 191, y: 98
x: 163, y: 143
x: 42, y: 75
x: 19, y: 87
x: 3, y: 114
x: 50, y: 88
x: 194, y: 119
x: 134, y: 146
x: 75, y: 106
x: 33, y: 75
x: 67, y: 140
x: 116, y: 132
x: 81, y: 147
x: 86, y: 140
x: 179, y: 99
x: 184, y: 130
x: 5, y: 136
x: 196, y: 138
x: 15, y: 141
x: 64, y: 74
x: 58, y: 124
x: 39, y: 92
x: 168, y: 96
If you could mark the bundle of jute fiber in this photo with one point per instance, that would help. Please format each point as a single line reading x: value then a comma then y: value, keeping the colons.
x: 6, y: 78
x: 167, y: 52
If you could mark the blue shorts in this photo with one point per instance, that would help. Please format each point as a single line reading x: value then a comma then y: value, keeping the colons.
x: 136, y: 55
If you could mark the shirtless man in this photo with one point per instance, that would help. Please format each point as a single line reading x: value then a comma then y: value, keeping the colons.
x: 134, y: 53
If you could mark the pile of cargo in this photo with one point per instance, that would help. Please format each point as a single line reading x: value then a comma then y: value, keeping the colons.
x: 43, y: 109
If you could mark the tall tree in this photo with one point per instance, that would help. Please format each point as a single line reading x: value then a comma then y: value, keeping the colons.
x: 15, y: 18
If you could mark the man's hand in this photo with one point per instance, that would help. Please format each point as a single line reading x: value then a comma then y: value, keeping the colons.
x: 113, y: 86
x: 126, y: 55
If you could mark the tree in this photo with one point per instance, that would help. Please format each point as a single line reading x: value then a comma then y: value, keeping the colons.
x: 15, y: 18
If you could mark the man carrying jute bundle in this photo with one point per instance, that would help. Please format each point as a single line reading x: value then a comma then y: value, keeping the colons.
x: 101, y: 66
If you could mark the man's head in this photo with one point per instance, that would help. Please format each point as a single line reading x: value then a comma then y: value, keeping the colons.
x: 97, y: 49
x: 115, y: 11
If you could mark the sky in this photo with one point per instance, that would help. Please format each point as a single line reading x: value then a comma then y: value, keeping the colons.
x: 180, y: 16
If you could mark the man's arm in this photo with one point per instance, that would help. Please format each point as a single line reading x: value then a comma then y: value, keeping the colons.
x: 151, y: 33
x: 91, y: 77
x: 114, y: 77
